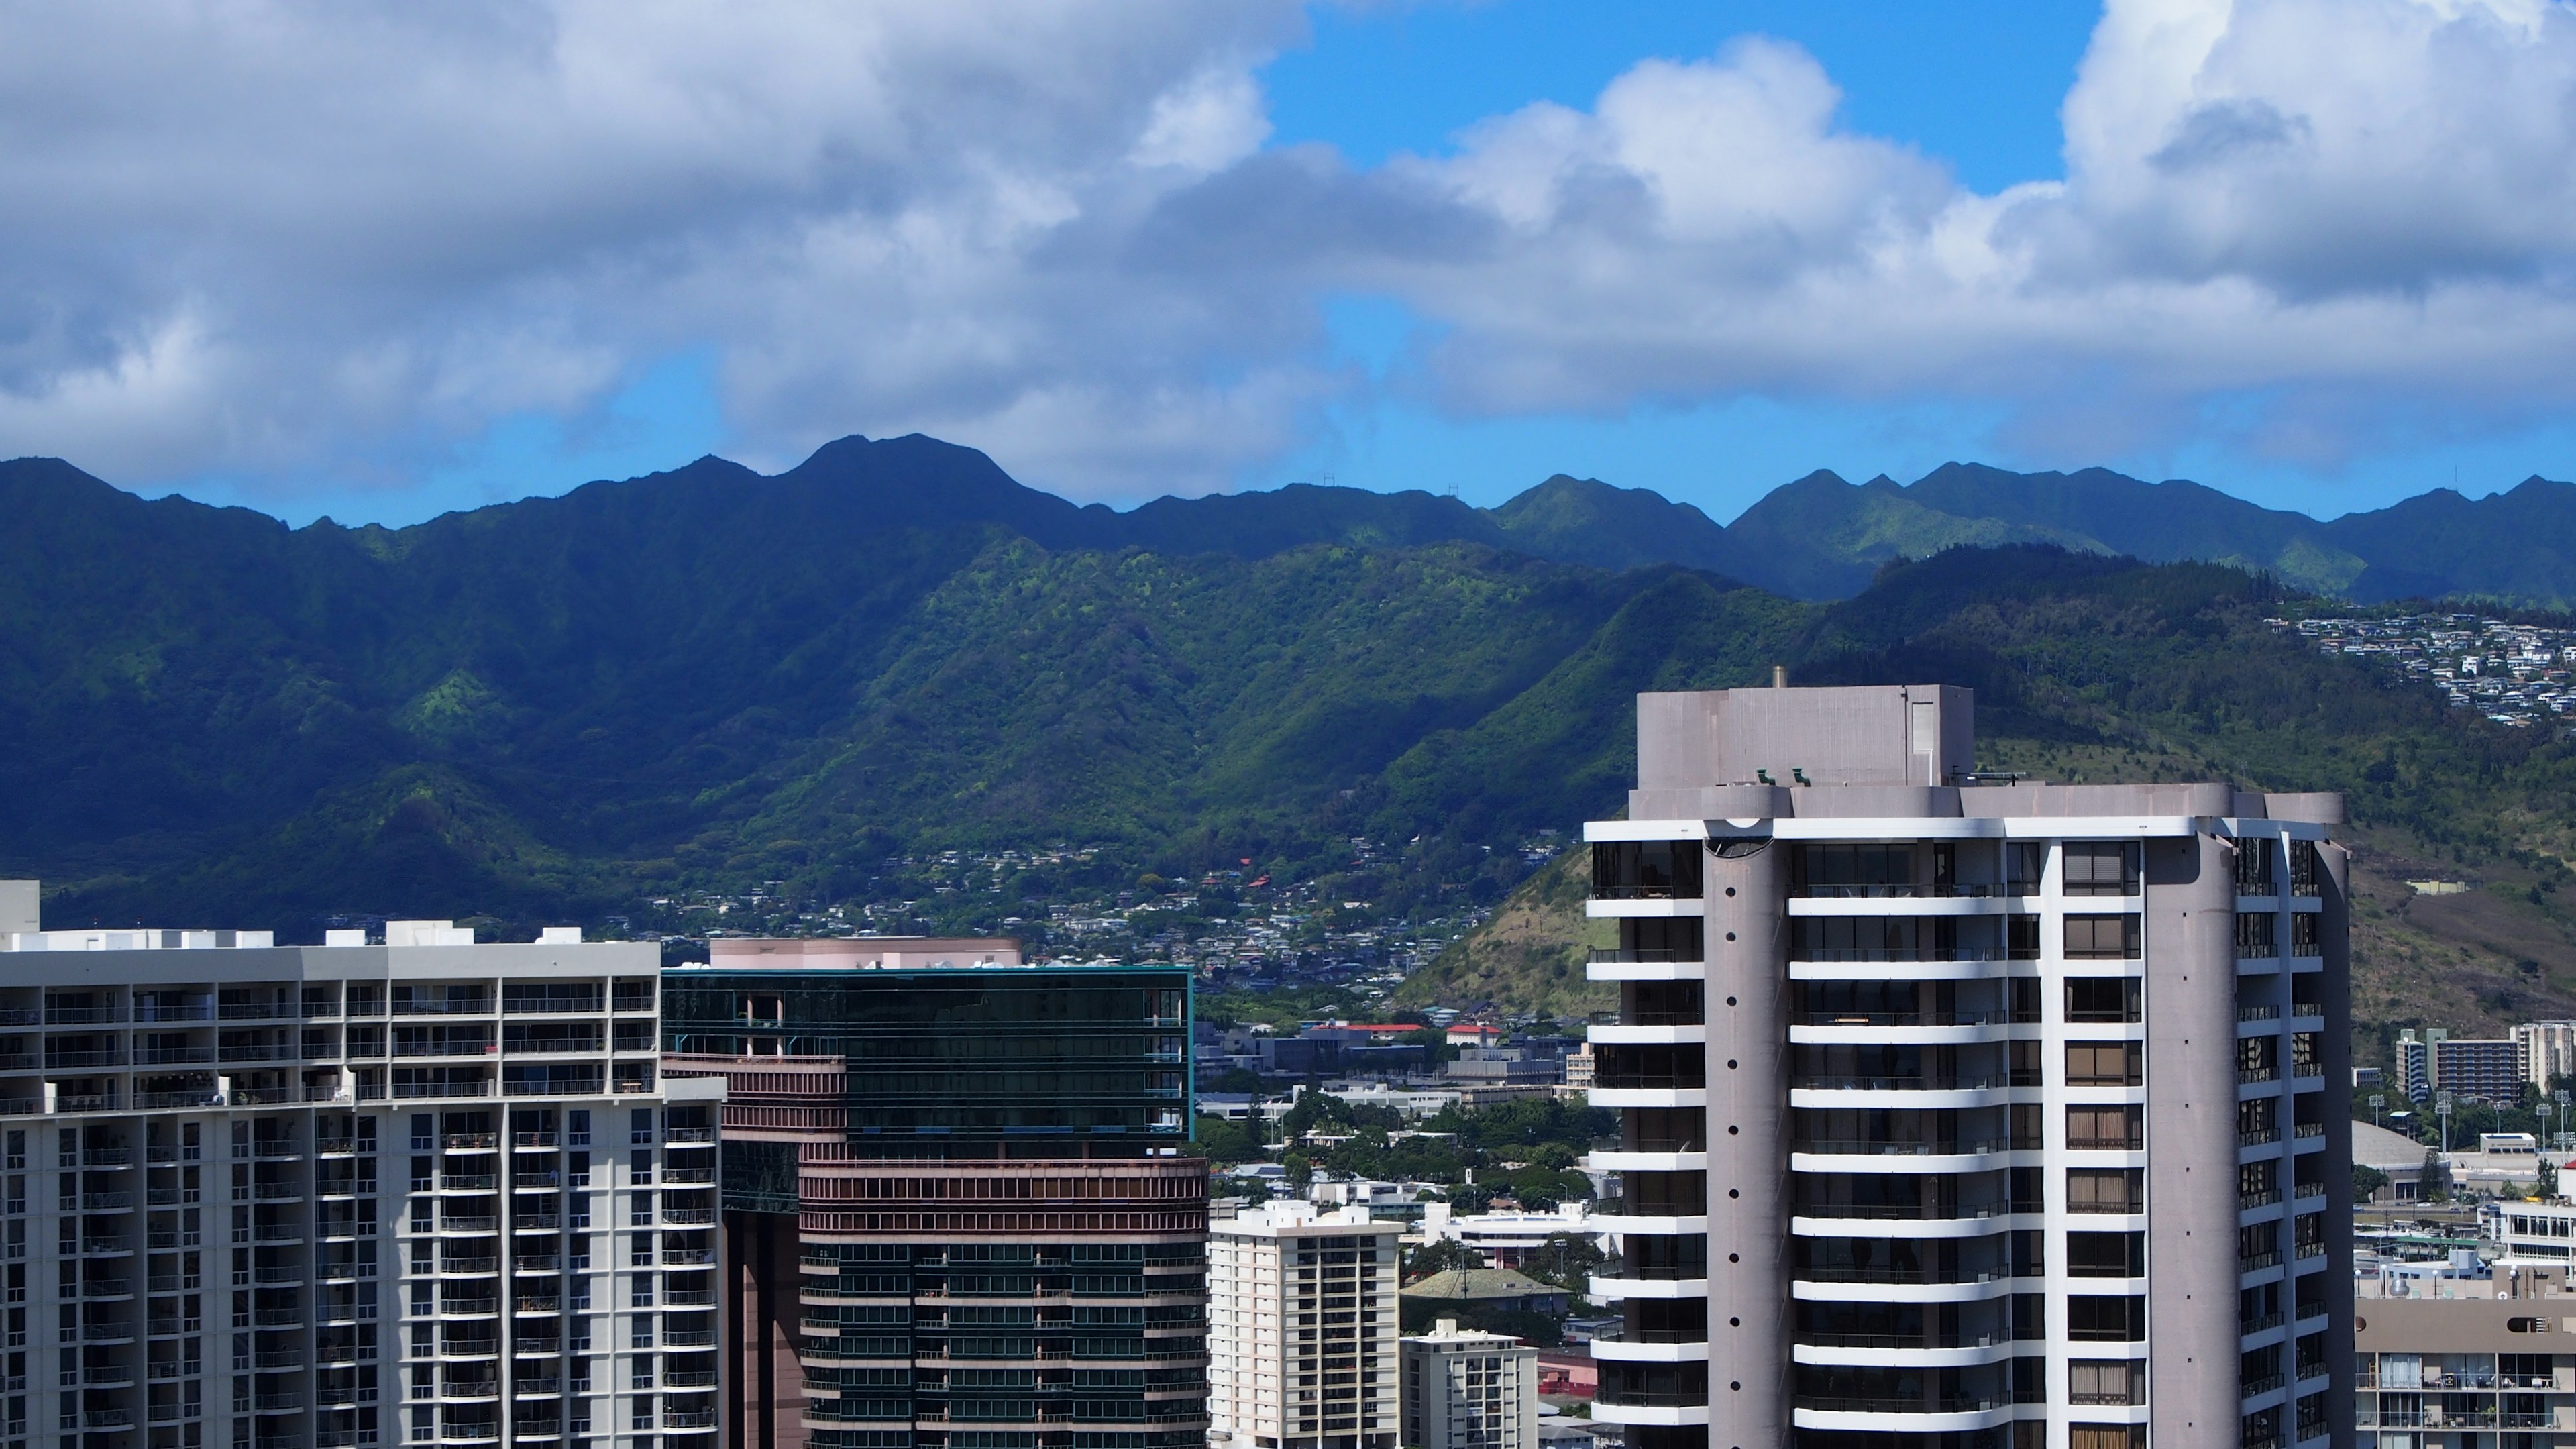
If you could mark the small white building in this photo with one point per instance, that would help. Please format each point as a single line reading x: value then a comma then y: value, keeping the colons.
x: 1508, y: 1239
x: 1469, y: 1389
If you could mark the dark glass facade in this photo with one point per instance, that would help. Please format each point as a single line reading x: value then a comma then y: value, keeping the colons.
x: 961, y: 1208
x: 980, y: 1055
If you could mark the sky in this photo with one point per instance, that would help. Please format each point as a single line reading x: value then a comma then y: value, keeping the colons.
x: 379, y: 261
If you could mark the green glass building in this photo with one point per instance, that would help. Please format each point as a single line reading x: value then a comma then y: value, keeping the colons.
x: 961, y: 1206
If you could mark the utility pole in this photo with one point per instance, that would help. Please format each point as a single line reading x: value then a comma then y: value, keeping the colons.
x: 2378, y: 1100
x: 2442, y: 1108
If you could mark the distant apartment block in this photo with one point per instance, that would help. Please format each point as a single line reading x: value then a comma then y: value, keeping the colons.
x: 2490, y: 1070
x: 271, y: 1197
x: 959, y: 1213
x: 1302, y: 1329
x: 1468, y: 1389
x: 2548, y: 1052
x: 1965, y: 1111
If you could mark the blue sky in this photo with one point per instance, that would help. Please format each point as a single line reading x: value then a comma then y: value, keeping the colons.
x: 2321, y: 255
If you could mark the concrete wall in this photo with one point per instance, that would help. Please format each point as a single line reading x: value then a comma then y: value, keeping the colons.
x: 2337, y: 995
x: 1748, y: 1161
x: 1894, y: 734
x: 2190, y: 931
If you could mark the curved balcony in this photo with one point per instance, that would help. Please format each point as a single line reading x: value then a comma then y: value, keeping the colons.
x: 1614, y: 1289
x: 1956, y: 965
x: 1612, y: 908
x: 1960, y: 1091
x: 1899, y: 1416
x: 1879, y: 1350
x: 1615, y: 964
x: 1694, y: 1095
x: 1679, y: 1034
x: 1692, y: 1161
x: 1649, y: 1414
x: 1905, y: 900
x: 1849, y: 1030
x: 1961, y: 1222
x: 1627, y: 1350
x: 1908, y: 1157
x: 1650, y: 1226
x: 1980, y: 1288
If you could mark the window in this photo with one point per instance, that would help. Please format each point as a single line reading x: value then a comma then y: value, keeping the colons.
x: 577, y: 1128
x: 2307, y: 872
x: 2101, y: 868
x: 2106, y: 1189
x: 2106, y: 1436
x: 2105, y: 998
x: 2254, y: 939
x: 2106, y: 1255
x: 2022, y: 862
x: 2254, y: 868
x: 2258, y: 1058
x: 2101, y: 938
x: 2105, y: 1381
x: 2306, y: 935
x: 2106, y: 1129
x: 1666, y: 938
x: 1850, y: 870
x: 640, y: 1127
x: 2021, y: 938
x: 2025, y: 999
x: 2106, y: 1318
x: 1646, y: 869
x: 2105, y: 1064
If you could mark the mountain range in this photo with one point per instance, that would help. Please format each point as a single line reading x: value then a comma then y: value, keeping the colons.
x: 709, y: 677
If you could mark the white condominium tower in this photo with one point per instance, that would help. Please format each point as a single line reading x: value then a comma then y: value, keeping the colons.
x: 1966, y: 1112
x: 325, y: 1197
x: 1302, y: 1329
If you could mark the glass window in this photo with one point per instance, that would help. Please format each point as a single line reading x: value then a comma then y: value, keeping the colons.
x: 2102, y: 938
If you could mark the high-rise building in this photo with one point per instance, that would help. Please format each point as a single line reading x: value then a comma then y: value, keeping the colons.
x: 959, y: 1211
x: 1302, y: 1329
x: 2415, y: 1061
x: 2548, y: 1051
x: 426, y: 1191
x: 1966, y: 1110
x: 1469, y: 1389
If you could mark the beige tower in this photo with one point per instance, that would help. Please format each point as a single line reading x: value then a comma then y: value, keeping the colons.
x: 1965, y: 1110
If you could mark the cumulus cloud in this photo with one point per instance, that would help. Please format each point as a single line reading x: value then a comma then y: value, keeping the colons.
x: 2356, y: 211
x: 278, y: 236
x: 289, y: 237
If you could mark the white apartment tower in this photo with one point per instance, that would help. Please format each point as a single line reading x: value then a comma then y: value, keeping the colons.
x: 1469, y: 1389
x: 424, y: 1192
x: 1302, y: 1329
x: 1966, y: 1111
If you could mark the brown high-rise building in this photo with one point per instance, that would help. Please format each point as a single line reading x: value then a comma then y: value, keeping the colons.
x: 960, y: 1207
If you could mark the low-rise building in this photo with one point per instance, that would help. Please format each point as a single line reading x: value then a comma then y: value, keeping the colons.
x: 2444, y: 1359
x: 1483, y: 1297
x: 1467, y: 1389
x: 2394, y: 1156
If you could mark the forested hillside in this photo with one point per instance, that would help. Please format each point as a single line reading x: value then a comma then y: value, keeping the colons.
x: 710, y: 678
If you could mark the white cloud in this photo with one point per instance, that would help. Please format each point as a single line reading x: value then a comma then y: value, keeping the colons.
x: 2356, y: 211
x: 291, y: 238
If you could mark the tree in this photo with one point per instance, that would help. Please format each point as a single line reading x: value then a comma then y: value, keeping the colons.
x: 1227, y: 1143
x: 1301, y: 1171
x: 2366, y: 1182
x: 2436, y: 1177
x: 1565, y: 1260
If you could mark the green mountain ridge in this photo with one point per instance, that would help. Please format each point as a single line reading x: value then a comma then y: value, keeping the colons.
x: 711, y: 678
